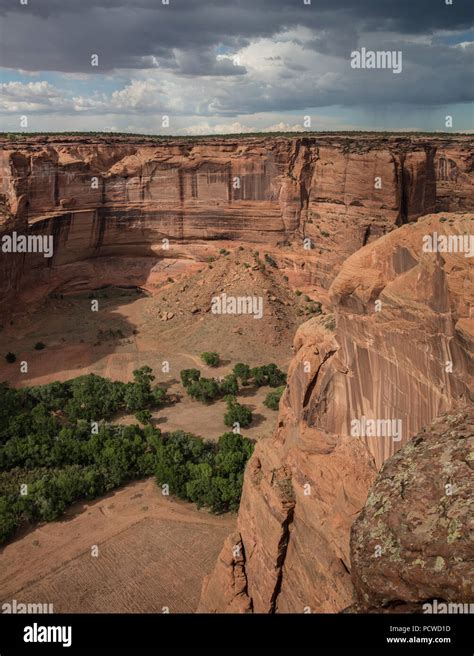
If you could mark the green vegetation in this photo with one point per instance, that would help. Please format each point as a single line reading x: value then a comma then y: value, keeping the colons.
x: 39, y: 346
x: 10, y: 357
x: 189, y: 376
x: 56, y: 448
x: 237, y: 413
x: 143, y: 416
x: 272, y: 400
x: 210, y: 475
x: 242, y: 371
x: 229, y: 385
x: 207, y: 390
x: 211, y: 358
x: 269, y: 259
x: 268, y: 374
x: 204, y: 390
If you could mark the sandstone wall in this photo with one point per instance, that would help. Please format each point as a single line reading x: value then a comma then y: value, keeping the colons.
x: 124, y: 197
x: 410, y: 360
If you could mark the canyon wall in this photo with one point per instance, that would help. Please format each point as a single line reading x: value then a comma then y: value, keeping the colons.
x: 399, y: 346
x: 121, y: 196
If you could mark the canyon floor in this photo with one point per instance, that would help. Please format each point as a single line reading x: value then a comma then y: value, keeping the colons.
x: 153, y: 552
x: 165, y: 326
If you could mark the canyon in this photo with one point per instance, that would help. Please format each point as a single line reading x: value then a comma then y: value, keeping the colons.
x: 344, y: 218
x: 116, y: 206
x: 411, y: 359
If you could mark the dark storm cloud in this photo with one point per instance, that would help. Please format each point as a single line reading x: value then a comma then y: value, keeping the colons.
x: 61, y: 35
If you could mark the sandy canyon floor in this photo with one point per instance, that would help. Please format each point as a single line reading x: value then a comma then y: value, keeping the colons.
x: 153, y: 551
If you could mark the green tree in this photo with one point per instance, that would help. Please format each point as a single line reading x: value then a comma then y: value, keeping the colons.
x: 174, y: 455
x: 143, y: 416
x: 229, y: 385
x: 8, y: 519
x: 242, y: 371
x: 272, y: 399
x: 189, y: 376
x: 204, y: 390
x: 210, y: 358
x: 237, y: 413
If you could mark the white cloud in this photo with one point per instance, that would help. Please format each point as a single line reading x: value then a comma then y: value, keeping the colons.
x: 32, y: 96
x: 220, y: 128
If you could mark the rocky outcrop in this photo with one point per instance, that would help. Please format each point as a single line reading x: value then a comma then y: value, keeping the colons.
x: 454, y: 167
x: 108, y: 197
x: 412, y: 543
x: 399, y: 347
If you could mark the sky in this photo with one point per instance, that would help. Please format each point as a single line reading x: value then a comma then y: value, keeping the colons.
x: 195, y: 67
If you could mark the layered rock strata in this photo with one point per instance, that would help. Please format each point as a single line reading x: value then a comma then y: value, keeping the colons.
x: 398, y: 348
x: 122, y: 196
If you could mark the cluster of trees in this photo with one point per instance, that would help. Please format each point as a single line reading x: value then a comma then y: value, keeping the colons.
x: 56, y: 447
x: 44, y: 472
x: 267, y: 374
x: 208, y: 474
x: 207, y: 390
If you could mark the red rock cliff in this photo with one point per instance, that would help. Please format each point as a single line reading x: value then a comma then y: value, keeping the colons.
x: 122, y: 196
x: 407, y: 357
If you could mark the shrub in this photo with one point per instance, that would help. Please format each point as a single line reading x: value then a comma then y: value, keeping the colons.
x: 143, y: 416
x: 204, y: 390
x: 269, y: 259
x: 268, y: 374
x: 229, y: 385
x: 39, y: 346
x: 10, y: 357
x: 237, y: 413
x: 211, y: 358
x: 272, y: 399
x: 189, y: 376
x: 242, y: 371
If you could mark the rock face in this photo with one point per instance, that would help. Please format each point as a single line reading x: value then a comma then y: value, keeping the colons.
x: 413, y: 540
x: 408, y: 359
x: 105, y: 197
